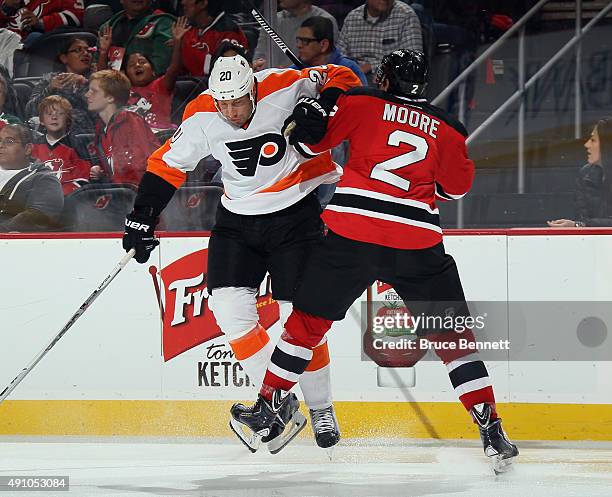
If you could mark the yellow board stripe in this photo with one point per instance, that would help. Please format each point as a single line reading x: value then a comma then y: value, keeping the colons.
x: 357, y: 419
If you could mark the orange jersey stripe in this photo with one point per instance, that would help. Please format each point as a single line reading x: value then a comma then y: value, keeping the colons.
x: 156, y: 164
x: 202, y: 103
x: 251, y: 343
x: 320, y: 358
x: 310, y: 169
x: 336, y: 77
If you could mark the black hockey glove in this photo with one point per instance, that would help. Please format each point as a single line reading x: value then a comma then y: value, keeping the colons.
x: 310, y: 120
x: 140, y: 235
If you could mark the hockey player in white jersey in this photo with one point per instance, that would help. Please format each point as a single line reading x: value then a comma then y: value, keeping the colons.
x: 268, y: 219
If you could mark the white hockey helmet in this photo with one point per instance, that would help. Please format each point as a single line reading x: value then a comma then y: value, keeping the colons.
x: 231, y: 78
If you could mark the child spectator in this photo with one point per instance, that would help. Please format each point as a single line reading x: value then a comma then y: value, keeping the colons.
x: 150, y: 96
x: 211, y: 26
x: 123, y: 139
x: 55, y: 148
x: 31, y: 196
x: 76, y: 57
x: 31, y: 18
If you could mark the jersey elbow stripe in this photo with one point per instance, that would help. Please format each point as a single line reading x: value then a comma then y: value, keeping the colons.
x: 383, y: 207
x: 445, y: 195
x: 69, y: 18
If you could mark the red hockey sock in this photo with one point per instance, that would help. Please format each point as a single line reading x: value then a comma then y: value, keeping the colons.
x: 293, y: 352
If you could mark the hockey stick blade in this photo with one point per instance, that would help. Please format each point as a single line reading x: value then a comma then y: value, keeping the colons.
x: 80, y: 311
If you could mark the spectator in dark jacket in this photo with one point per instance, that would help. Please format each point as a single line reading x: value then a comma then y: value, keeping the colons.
x: 31, y: 197
x: 8, y: 100
x: 76, y: 57
x: 594, y: 184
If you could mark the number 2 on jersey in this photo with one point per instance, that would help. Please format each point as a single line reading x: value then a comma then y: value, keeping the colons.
x: 383, y: 171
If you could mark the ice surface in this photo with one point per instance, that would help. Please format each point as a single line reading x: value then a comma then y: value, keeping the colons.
x: 366, y: 468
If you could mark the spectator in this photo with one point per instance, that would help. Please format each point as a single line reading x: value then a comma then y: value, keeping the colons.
x: 315, y: 45
x: 5, y: 93
x: 151, y: 96
x: 288, y: 20
x: 55, y: 148
x: 140, y: 28
x: 31, y: 18
x: 211, y: 26
x: 594, y: 184
x: 123, y: 139
x: 376, y: 28
x: 76, y: 57
x: 31, y: 196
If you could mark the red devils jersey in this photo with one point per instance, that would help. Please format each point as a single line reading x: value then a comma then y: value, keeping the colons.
x: 200, y: 44
x: 404, y: 154
x: 60, y: 157
x: 53, y: 14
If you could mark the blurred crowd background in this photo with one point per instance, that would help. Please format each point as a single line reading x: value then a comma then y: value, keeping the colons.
x: 89, y: 90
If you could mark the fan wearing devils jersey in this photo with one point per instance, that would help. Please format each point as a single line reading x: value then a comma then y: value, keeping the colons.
x: 268, y: 220
x: 25, y: 16
x: 55, y: 148
x: 383, y: 225
x: 210, y: 27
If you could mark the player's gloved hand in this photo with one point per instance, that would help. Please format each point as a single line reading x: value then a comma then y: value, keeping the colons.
x: 139, y: 235
x: 310, y: 120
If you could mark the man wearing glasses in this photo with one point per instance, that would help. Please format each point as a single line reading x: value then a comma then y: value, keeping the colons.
x: 31, y: 197
x: 288, y: 22
x: 315, y: 43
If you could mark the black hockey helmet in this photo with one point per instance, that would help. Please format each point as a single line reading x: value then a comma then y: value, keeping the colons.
x: 407, y: 72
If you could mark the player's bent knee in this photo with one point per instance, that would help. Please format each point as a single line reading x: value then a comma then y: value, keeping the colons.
x: 307, y: 329
x: 235, y: 309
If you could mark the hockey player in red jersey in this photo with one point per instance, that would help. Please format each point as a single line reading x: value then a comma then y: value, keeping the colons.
x: 384, y: 225
x: 268, y: 219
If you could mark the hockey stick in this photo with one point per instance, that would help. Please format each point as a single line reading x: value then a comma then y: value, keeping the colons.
x: 84, y: 306
x: 273, y: 34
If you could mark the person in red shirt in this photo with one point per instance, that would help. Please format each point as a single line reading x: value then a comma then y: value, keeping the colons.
x: 384, y: 226
x: 210, y: 26
x: 55, y: 148
x: 150, y: 95
x: 124, y: 141
x: 28, y: 16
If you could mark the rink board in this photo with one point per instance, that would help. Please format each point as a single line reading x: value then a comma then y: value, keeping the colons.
x: 107, y: 376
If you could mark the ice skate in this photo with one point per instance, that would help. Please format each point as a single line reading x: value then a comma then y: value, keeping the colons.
x: 496, y: 445
x: 325, y: 428
x: 276, y: 422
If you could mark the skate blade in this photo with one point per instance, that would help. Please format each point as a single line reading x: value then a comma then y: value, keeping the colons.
x: 500, y: 465
x: 252, y: 441
x: 294, y: 426
x: 330, y: 452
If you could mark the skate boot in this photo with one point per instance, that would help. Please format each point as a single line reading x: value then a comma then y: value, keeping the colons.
x: 496, y: 445
x: 325, y: 427
x: 276, y: 422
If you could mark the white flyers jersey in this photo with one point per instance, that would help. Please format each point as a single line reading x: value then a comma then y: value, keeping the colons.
x: 261, y: 172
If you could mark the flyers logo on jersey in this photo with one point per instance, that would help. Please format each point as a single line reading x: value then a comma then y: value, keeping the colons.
x: 264, y: 150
